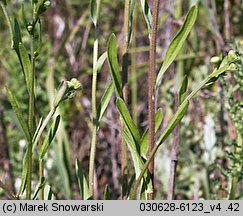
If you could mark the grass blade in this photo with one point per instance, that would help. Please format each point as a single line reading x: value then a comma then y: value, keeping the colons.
x: 82, y: 182
x: 113, y: 63
x: 176, y: 44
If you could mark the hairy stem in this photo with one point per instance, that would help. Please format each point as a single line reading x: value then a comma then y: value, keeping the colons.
x: 94, y: 108
x: 31, y: 106
x: 151, y: 95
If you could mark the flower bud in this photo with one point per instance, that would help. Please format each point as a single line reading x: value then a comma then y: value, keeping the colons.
x: 74, y: 84
x: 232, y: 67
x: 47, y: 4
x: 215, y: 60
x: 232, y: 56
x: 29, y: 28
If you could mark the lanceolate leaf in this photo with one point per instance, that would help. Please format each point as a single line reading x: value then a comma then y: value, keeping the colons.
x: 107, y: 193
x: 93, y: 11
x: 182, y: 91
x: 132, y: 9
x: 100, y: 62
x: 24, y: 175
x: 83, y: 185
x: 174, y: 121
x: 25, y: 60
x: 147, y: 14
x: 113, y: 63
x: 50, y: 136
x: 126, y: 117
x: 17, y: 36
x: 176, y: 44
x: 14, y: 103
x: 104, y: 102
x: 145, y: 138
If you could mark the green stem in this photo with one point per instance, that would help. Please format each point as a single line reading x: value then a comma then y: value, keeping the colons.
x: 41, y: 174
x: 124, y: 172
x: 236, y: 169
x: 94, y: 109
x: 31, y: 107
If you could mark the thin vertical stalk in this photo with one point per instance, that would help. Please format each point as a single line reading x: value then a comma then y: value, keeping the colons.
x: 236, y: 169
x: 124, y: 93
x: 31, y: 106
x: 151, y: 95
x: 174, y: 156
x: 94, y: 107
x: 134, y: 86
x: 227, y: 19
x: 41, y: 174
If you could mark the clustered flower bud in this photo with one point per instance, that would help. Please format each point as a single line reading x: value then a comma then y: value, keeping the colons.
x: 66, y: 90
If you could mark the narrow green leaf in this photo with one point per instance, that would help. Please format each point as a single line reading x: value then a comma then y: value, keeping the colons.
x: 104, y: 102
x: 50, y: 136
x: 131, y: 13
x: 24, y: 16
x: 145, y: 138
x: 17, y: 36
x: 39, y: 186
x: 107, y: 195
x: 24, y: 175
x: 137, y: 160
x: 93, y: 11
x: 82, y: 182
x: 14, y: 103
x: 128, y: 120
x: 48, y: 192
x: 132, y: 180
x: 24, y: 56
x: 174, y: 121
x: 182, y: 91
x: 100, y: 62
x: 37, y: 129
x: 147, y: 14
x: 178, y: 41
x: 113, y: 63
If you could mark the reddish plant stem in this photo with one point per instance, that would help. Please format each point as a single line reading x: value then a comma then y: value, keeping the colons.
x: 151, y: 88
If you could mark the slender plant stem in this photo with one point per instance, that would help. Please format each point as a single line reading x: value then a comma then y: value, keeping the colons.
x: 134, y: 85
x: 124, y: 94
x: 94, y: 108
x: 174, y: 156
x: 236, y: 171
x: 151, y: 95
x: 41, y: 174
x: 31, y: 106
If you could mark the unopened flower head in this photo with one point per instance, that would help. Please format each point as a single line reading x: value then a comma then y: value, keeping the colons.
x: 232, y: 56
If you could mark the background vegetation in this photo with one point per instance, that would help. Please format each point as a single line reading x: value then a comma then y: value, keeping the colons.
x: 210, y: 156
